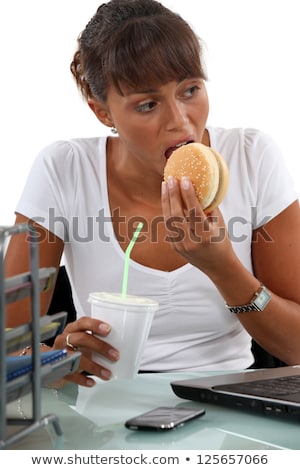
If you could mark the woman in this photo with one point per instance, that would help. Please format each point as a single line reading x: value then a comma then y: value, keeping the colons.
x: 87, y: 195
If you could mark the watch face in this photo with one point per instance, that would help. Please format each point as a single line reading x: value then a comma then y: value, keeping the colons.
x: 262, y: 299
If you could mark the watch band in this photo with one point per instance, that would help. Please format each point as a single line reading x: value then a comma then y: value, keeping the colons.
x: 258, y: 303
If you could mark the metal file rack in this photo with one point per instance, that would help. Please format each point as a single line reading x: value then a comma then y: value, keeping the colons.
x: 13, y: 289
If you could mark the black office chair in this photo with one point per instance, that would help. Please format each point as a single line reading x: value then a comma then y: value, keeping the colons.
x: 263, y: 359
x: 62, y: 300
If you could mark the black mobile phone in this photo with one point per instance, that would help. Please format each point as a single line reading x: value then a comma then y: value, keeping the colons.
x: 164, y: 418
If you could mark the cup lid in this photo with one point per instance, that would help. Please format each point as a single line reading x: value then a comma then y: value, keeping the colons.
x: 114, y: 297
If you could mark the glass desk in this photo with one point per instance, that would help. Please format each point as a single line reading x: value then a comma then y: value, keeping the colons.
x: 94, y: 419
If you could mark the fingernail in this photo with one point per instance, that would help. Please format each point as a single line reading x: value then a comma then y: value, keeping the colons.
x: 171, y: 182
x: 106, y: 374
x: 113, y: 354
x: 163, y: 188
x: 185, y: 182
x: 90, y: 383
x: 104, y: 328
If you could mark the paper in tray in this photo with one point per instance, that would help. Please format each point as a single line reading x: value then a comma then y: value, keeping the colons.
x: 50, y: 373
x: 21, y: 336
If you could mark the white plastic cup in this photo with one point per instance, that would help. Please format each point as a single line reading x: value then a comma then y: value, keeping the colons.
x: 130, y: 319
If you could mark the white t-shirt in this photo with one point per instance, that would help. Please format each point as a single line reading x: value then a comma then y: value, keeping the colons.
x: 66, y: 192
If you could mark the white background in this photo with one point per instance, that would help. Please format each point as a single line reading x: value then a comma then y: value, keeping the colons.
x: 251, y: 52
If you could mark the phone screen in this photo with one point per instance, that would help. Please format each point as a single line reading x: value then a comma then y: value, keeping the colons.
x: 164, y: 418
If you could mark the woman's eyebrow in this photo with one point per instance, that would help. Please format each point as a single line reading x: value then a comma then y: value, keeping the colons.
x: 136, y: 92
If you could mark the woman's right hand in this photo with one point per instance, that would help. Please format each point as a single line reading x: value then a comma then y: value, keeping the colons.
x: 81, y: 334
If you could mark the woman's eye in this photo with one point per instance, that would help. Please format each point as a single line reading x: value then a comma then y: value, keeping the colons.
x: 191, y: 91
x: 146, y: 107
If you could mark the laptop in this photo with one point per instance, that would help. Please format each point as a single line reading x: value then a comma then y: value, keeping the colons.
x: 274, y: 391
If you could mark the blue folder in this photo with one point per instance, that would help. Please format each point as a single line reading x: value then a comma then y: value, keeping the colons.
x: 20, y: 365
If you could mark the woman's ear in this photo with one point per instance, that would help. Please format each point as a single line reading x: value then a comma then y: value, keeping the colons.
x: 101, y: 112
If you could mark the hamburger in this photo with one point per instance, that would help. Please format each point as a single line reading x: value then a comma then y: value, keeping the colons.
x: 206, y: 169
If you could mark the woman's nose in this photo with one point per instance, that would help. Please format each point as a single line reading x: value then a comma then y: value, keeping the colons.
x: 176, y: 116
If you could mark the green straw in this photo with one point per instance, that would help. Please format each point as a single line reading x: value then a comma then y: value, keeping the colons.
x: 127, y: 256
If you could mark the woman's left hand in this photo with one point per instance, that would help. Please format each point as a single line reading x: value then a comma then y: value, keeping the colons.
x: 202, y: 239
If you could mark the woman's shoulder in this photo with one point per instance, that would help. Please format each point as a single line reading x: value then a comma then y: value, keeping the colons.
x: 246, y: 146
x: 246, y: 137
x: 73, y: 150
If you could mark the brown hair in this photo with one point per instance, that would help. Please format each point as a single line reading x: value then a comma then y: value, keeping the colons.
x: 132, y: 44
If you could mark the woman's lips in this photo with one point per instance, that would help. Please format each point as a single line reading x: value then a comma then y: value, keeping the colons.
x: 170, y: 150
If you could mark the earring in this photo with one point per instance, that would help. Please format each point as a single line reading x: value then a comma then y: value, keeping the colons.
x: 113, y: 130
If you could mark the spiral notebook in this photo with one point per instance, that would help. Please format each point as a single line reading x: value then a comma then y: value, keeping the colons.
x: 20, y: 365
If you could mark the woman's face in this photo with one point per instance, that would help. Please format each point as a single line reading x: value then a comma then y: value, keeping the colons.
x: 152, y: 122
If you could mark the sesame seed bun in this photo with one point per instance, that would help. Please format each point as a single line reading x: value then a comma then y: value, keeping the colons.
x: 206, y: 169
